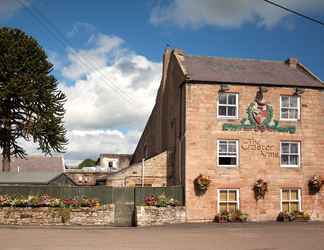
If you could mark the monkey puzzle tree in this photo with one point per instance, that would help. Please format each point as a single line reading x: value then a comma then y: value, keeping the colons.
x: 31, y: 105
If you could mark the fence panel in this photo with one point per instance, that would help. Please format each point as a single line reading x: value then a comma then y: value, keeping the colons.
x: 103, y: 193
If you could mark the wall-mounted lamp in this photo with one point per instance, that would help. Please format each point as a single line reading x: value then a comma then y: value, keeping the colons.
x: 299, y: 91
x: 263, y: 89
x: 224, y: 87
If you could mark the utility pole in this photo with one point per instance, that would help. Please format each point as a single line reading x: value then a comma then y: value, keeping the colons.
x: 143, y: 166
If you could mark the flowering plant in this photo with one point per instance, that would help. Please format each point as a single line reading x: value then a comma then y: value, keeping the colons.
x: 160, y: 201
x: 150, y: 200
x: 46, y: 201
x: 293, y: 216
x: 232, y: 216
x: 202, y: 182
x: 315, y: 184
x: 260, y: 188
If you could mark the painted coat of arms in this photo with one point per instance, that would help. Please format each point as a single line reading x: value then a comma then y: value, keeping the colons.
x: 259, y: 117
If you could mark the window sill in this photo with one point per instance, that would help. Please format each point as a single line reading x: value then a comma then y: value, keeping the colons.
x: 290, y: 166
x: 227, y: 118
x: 289, y: 120
x: 228, y: 166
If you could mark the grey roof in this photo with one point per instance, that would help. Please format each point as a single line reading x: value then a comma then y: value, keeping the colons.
x: 28, y: 177
x: 128, y: 156
x: 37, y: 163
x: 248, y: 71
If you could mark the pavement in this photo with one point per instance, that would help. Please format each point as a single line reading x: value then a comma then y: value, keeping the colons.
x: 246, y: 236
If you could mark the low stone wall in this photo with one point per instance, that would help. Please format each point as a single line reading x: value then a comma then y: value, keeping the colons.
x: 149, y: 215
x: 57, y: 216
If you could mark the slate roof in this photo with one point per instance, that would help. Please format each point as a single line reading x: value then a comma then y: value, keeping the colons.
x: 247, y: 71
x: 37, y: 163
x: 28, y: 177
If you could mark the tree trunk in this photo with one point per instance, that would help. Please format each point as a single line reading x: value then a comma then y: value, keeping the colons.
x: 6, y: 158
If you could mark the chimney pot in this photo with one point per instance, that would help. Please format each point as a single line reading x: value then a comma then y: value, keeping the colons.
x: 292, y: 62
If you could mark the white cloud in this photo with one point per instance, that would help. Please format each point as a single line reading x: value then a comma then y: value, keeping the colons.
x: 81, y: 27
x: 9, y: 7
x: 89, y: 144
x: 109, y: 103
x: 106, y: 98
x: 85, y: 61
x: 110, y: 94
x: 229, y: 13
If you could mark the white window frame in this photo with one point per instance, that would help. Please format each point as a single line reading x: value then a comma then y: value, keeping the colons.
x: 236, y: 116
x: 299, y: 198
x: 227, y: 190
x: 237, y: 153
x: 298, y: 108
x: 299, y: 155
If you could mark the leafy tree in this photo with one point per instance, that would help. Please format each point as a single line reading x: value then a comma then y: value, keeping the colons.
x: 87, y: 163
x: 31, y: 105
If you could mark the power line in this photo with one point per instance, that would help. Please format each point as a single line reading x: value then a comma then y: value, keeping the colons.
x: 294, y: 12
x: 57, y: 34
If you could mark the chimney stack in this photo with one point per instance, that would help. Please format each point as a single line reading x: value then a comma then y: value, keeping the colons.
x: 292, y: 62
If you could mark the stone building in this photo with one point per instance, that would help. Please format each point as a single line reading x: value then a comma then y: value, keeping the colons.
x: 237, y: 121
x: 152, y: 172
x: 114, y: 162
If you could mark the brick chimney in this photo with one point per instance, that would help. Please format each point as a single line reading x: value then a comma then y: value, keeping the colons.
x: 292, y: 62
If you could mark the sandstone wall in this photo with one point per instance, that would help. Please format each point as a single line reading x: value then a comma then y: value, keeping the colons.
x: 155, y: 173
x: 151, y: 216
x: 57, y: 216
x: 203, y: 129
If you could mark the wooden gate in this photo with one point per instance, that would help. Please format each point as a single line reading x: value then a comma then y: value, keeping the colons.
x: 124, y: 200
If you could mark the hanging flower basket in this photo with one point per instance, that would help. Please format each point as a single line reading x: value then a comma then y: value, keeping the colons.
x: 315, y: 184
x: 202, y: 182
x: 260, y: 188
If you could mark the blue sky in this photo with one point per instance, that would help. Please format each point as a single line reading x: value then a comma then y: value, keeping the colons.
x: 124, y: 41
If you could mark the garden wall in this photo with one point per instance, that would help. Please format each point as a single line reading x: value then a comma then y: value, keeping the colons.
x: 150, y: 215
x: 58, y: 216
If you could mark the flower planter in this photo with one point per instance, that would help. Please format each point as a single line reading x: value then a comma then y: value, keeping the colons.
x: 315, y: 184
x: 227, y: 217
x: 260, y: 188
x: 201, y: 184
x: 301, y: 219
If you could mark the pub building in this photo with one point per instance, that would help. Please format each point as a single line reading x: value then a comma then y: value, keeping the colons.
x: 237, y: 121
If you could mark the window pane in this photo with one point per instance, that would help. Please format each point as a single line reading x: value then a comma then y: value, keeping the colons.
x: 223, y: 195
x: 285, y: 148
x: 294, y: 194
x: 222, y: 110
x: 285, y: 195
x: 222, y: 147
x: 293, y: 101
x: 231, y: 99
x: 284, y: 101
x: 293, y: 207
x: 232, y: 207
x: 222, y: 207
x: 284, y: 113
x: 232, y: 195
x: 232, y: 147
x: 293, y: 160
x: 227, y: 161
x: 222, y: 99
x: 294, y: 148
x: 231, y: 111
x: 284, y: 160
x: 285, y: 206
x: 293, y: 114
